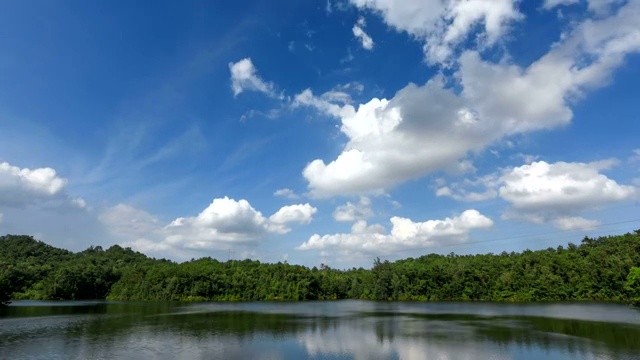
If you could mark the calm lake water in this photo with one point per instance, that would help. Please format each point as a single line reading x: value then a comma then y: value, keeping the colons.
x: 317, y: 330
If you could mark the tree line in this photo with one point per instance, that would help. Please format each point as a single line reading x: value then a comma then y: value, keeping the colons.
x: 598, y: 269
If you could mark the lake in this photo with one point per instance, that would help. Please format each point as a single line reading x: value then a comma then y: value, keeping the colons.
x: 318, y: 330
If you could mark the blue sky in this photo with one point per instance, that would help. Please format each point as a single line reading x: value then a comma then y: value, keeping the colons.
x: 319, y: 132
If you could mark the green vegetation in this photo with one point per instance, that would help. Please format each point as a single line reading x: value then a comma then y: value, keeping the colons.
x: 600, y: 269
x: 633, y: 285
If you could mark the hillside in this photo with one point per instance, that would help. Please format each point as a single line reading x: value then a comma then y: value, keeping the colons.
x: 599, y: 269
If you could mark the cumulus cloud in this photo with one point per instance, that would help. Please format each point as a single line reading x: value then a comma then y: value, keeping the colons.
x: 244, y: 77
x: 362, y: 227
x: 561, y: 186
x: 20, y: 187
x: 543, y: 192
x: 431, y: 127
x: 420, y: 130
x: 36, y: 201
x: 350, y: 212
x: 300, y: 213
x: 405, y: 234
x: 358, y: 31
x: 443, y: 25
x: 225, y: 221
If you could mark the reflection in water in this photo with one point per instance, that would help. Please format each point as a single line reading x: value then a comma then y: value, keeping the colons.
x: 328, y: 330
x: 385, y: 340
x: 424, y: 339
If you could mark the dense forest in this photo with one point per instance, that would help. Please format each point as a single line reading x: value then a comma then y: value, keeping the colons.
x: 599, y: 269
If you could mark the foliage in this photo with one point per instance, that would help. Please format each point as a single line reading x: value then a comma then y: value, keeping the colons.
x: 633, y: 285
x: 5, y: 289
x: 601, y: 269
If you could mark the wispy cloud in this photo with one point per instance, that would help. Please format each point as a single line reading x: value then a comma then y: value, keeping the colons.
x: 358, y: 31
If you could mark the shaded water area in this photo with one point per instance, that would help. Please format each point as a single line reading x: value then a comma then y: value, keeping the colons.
x: 318, y: 330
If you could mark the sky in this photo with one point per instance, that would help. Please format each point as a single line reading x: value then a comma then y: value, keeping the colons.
x: 319, y: 132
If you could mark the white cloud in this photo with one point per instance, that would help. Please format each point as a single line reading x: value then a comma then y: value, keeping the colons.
x: 484, y: 189
x: 130, y: 223
x: 332, y: 100
x: 444, y: 25
x: 35, y: 201
x: 539, y: 96
x: 598, y: 7
x: 561, y: 187
x: 79, y: 202
x: 22, y: 186
x: 361, y: 227
x: 337, y: 96
x: 300, y: 213
x: 244, y: 77
x: 224, y: 222
x: 351, y: 212
x: 358, y: 31
x: 1, y: 217
x: 574, y: 223
x: 603, y: 7
x: 306, y: 98
x: 41, y: 187
x: 405, y: 234
x: 422, y: 129
x: 543, y: 192
x: 154, y: 248
x: 376, y: 156
x: 526, y: 158
x: 428, y: 128
x: 550, y: 4
x: 460, y: 167
x: 286, y: 192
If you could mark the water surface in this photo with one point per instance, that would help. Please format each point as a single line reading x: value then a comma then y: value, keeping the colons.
x: 317, y: 330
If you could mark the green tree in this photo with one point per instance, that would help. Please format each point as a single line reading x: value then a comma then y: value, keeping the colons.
x: 5, y: 289
x: 599, y: 269
x: 633, y: 285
